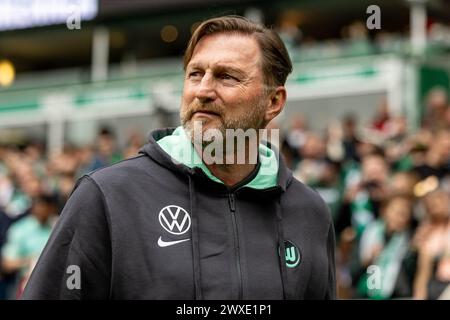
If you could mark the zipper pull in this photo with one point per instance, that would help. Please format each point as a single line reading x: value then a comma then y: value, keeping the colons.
x: 231, y: 202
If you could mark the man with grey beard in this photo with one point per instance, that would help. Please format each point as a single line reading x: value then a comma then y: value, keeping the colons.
x: 185, y: 219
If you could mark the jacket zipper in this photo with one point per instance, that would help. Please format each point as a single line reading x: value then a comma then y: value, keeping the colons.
x: 232, y: 203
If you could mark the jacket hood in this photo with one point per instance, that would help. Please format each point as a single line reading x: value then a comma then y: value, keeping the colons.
x: 172, y: 148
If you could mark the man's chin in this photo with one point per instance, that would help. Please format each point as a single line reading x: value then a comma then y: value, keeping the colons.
x: 204, y: 133
x: 204, y: 125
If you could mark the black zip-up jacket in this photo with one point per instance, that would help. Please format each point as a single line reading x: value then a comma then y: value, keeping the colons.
x: 148, y: 228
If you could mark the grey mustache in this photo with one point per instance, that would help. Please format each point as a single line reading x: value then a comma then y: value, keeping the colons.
x: 204, y: 108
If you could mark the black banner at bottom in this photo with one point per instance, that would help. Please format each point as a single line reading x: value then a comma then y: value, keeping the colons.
x: 128, y: 310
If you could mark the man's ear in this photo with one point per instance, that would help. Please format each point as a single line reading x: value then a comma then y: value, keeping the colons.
x: 276, y: 103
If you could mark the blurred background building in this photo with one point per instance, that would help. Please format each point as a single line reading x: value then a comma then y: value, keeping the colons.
x: 82, y: 82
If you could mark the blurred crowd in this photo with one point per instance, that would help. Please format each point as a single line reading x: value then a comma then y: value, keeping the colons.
x: 387, y: 189
x: 388, y: 192
x: 33, y: 191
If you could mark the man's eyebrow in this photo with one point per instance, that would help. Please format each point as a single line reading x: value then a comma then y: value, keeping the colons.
x: 231, y: 69
x: 219, y: 67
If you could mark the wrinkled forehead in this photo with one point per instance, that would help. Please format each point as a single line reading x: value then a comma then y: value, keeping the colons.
x: 227, y: 48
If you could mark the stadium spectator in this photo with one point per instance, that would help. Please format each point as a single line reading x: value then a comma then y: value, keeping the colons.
x: 312, y: 163
x: 384, y: 244
x: 26, y: 238
x: 362, y: 199
x: 106, y: 152
x: 432, y: 241
x: 296, y: 137
x: 436, y: 106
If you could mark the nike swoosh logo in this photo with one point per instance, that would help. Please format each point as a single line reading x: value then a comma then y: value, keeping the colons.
x: 163, y: 243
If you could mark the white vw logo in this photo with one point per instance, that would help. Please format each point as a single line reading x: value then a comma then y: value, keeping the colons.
x: 174, y: 219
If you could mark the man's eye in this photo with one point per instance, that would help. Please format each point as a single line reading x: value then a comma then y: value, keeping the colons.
x: 226, y: 76
x: 194, y: 74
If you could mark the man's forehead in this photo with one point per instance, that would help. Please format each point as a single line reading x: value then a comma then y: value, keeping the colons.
x: 226, y: 50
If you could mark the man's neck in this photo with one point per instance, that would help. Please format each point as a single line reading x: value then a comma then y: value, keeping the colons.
x: 231, y: 174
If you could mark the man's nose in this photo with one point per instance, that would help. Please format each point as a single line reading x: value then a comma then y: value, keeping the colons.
x: 206, y: 91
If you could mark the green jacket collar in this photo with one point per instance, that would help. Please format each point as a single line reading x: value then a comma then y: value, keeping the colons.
x: 179, y: 147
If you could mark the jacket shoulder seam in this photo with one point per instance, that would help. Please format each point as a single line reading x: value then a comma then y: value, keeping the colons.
x: 114, y: 164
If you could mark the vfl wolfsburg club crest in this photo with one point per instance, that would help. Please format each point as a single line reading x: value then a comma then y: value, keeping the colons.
x: 292, y: 254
